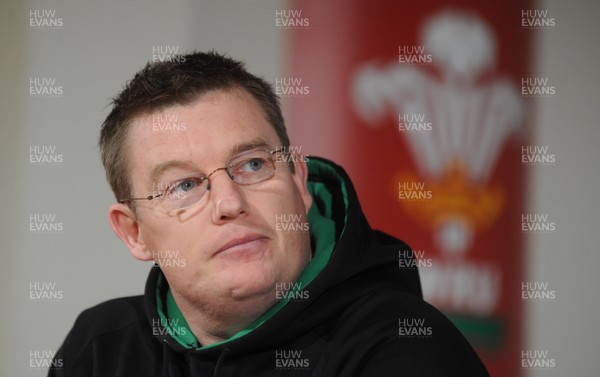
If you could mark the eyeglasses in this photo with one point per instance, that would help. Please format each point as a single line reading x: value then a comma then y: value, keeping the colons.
x: 245, y: 169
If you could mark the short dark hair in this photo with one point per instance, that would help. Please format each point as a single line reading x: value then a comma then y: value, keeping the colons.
x: 178, y: 81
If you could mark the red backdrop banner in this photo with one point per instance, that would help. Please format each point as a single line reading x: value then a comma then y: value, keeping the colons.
x: 421, y: 103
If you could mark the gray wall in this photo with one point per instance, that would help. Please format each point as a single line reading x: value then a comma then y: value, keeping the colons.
x: 568, y: 259
x: 98, y: 48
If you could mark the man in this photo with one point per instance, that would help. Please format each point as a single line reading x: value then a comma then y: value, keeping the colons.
x: 264, y: 263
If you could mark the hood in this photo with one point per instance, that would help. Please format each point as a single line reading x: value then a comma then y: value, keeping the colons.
x: 348, y: 257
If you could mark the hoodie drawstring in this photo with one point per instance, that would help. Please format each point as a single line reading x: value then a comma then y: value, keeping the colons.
x: 165, y: 360
x: 220, y: 360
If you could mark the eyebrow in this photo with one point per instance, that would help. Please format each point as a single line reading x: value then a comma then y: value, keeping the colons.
x: 160, y: 169
x: 244, y: 147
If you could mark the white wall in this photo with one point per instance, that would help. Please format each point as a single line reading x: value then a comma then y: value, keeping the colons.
x: 103, y: 43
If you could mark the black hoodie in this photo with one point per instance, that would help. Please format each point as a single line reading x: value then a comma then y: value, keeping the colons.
x: 357, y: 310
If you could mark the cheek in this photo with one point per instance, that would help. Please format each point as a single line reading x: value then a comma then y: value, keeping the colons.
x: 290, y: 224
x: 156, y: 235
x: 171, y: 245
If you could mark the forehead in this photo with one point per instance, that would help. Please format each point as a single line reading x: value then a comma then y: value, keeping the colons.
x: 201, y: 135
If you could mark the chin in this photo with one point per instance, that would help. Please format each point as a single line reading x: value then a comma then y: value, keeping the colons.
x: 248, y: 282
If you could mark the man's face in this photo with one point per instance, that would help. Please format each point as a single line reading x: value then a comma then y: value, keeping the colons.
x: 226, y: 247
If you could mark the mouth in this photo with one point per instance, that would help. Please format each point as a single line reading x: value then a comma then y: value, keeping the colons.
x: 248, y: 242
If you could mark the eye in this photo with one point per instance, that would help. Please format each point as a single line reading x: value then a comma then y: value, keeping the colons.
x: 252, y: 165
x: 184, y: 187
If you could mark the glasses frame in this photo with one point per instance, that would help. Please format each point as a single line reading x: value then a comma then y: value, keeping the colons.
x: 226, y: 168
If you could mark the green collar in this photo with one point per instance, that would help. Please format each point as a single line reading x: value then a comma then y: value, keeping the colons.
x: 323, y: 239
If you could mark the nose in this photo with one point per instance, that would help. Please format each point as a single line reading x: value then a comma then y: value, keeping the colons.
x: 227, y: 197
x: 213, y: 172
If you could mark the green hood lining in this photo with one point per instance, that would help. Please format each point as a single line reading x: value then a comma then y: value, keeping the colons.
x: 323, y: 239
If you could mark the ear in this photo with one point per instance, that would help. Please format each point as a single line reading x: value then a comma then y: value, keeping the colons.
x: 300, y: 177
x: 125, y: 225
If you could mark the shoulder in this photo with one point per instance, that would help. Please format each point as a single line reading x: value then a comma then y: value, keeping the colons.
x: 111, y: 315
x: 112, y: 335
x: 401, y: 330
x: 390, y: 308
x: 112, y: 318
x: 119, y: 310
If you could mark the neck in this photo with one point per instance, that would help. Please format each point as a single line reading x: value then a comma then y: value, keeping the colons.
x: 221, y: 319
